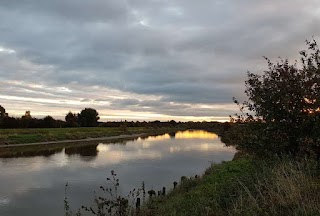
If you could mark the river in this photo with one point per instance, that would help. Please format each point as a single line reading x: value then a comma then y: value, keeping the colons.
x: 35, y: 185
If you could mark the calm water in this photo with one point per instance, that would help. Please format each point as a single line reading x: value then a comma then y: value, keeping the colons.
x: 35, y: 185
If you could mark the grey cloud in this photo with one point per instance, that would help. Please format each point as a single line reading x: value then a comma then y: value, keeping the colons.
x: 172, y: 109
x: 125, y: 102
x: 85, y: 100
x: 75, y: 10
x: 183, y: 52
x: 101, y: 100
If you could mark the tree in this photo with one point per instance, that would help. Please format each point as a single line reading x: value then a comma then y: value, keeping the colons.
x: 71, y: 119
x: 282, y: 114
x: 173, y: 123
x: 88, y: 117
x: 27, y: 115
x: 3, y: 115
x: 49, y: 122
x: 26, y: 120
x: 2, y: 112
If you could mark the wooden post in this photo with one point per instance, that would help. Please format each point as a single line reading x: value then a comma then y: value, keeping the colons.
x: 151, y: 193
x: 138, y: 203
x: 164, y: 191
x: 175, y: 184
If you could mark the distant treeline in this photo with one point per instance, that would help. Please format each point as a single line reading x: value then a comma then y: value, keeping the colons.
x: 89, y: 117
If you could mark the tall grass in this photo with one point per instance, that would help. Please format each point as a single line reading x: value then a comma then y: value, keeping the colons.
x: 289, y: 188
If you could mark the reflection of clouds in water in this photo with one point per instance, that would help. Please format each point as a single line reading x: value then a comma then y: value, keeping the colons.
x: 192, y: 134
x: 4, y: 201
x: 158, y: 138
x: 61, y: 160
x: 111, y: 155
x: 205, y: 147
x: 157, y: 147
x: 103, y: 147
x: 33, y: 164
x: 174, y: 149
x: 146, y: 145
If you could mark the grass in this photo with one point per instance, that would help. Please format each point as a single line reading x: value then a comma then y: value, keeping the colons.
x: 27, y: 136
x: 245, y: 187
x: 17, y: 136
x: 212, y: 193
x: 292, y: 188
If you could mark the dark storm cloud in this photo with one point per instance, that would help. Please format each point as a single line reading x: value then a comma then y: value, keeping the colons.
x: 162, y: 52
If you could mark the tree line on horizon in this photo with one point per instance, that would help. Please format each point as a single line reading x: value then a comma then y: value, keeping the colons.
x: 87, y: 117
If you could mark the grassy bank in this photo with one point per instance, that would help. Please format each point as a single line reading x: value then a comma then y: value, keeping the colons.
x: 37, y: 150
x: 245, y: 187
x: 47, y: 150
x: 17, y: 136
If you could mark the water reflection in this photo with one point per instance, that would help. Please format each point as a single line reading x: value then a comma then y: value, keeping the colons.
x: 38, y: 182
x: 172, y: 135
x: 196, y: 134
x: 156, y: 138
x: 14, y: 152
x: 79, y: 148
x: 189, y: 134
x: 87, y: 152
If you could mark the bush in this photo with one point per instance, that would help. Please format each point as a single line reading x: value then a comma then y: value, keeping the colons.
x: 282, y: 114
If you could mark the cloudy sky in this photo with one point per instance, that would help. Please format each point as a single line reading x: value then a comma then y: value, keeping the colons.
x: 143, y: 59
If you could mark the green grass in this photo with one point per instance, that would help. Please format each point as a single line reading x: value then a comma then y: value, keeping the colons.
x: 212, y: 193
x: 16, y: 136
x: 245, y: 187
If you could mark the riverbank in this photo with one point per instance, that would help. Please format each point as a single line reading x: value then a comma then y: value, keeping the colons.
x: 53, y: 135
x: 119, y: 137
x: 42, y: 144
x: 245, y: 187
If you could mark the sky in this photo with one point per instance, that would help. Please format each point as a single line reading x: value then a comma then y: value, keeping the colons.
x: 143, y: 59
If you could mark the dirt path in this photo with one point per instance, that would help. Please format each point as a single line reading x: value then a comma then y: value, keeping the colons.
x: 78, y: 140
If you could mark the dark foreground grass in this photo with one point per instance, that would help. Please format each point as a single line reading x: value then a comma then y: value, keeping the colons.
x: 17, y: 136
x: 245, y: 187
